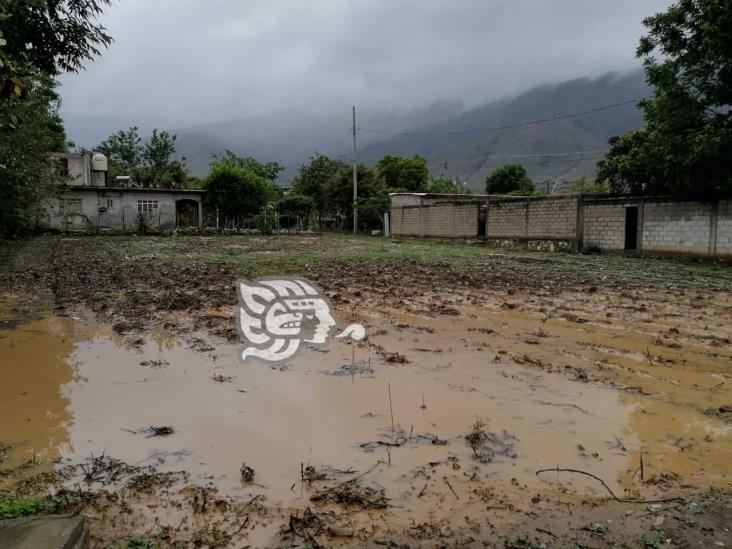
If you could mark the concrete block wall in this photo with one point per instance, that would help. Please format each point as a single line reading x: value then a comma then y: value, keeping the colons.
x: 77, y: 170
x: 406, y: 220
x: 604, y: 226
x: 554, y: 218
x: 724, y: 228
x: 506, y: 219
x: 403, y: 200
x: 443, y: 220
x: 677, y: 227
x: 665, y: 225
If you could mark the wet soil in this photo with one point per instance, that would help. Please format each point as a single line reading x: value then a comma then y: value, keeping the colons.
x: 480, y: 369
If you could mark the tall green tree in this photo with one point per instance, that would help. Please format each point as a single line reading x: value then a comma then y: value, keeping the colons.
x: 30, y: 127
x: 330, y: 184
x: 446, y: 186
x: 124, y: 151
x: 585, y: 185
x: 411, y: 174
x: 267, y: 170
x: 315, y: 180
x: 339, y: 193
x: 295, y: 210
x: 39, y: 39
x: 50, y: 36
x: 509, y: 179
x: 159, y: 169
x: 149, y: 163
x: 159, y: 148
x: 237, y: 191
x: 686, y: 145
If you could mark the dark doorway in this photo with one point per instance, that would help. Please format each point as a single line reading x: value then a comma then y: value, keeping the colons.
x: 186, y: 213
x: 631, y: 228
x: 482, y: 216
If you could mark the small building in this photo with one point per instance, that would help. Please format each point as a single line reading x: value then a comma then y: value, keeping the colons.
x: 86, y: 201
x: 638, y: 224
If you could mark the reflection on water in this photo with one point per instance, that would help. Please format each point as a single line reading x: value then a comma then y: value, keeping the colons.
x: 72, y: 389
x: 35, y: 415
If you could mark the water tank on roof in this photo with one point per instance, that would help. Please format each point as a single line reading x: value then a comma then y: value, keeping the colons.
x: 99, y: 162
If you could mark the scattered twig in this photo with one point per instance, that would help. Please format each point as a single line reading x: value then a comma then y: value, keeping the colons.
x: 450, y: 487
x: 547, y: 532
x: 643, y: 478
x: 609, y: 490
x: 562, y: 404
x: 620, y: 444
x: 391, y: 408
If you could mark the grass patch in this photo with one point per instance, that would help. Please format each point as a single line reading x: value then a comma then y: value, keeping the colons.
x: 11, y: 508
x: 258, y: 255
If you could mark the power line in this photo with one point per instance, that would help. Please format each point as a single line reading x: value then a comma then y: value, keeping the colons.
x: 545, y: 154
x: 483, y: 159
x: 511, y: 126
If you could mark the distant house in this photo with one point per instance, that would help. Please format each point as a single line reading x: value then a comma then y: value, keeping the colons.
x: 88, y: 201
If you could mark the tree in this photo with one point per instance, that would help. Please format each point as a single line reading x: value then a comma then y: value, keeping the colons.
x: 30, y: 126
x: 408, y: 173
x: 158, y: 169
x: 269, y: 170
x: 173, y: 175
x: 330, y: 184
x: 51, y: 36
x: 371, y: 210
x: 296, y: 207
x: 446, y: 186
x: 238, y: 192
x: 295, y: 204
x: 509, y: 179
x: 148, y: 164
x: 686, y: 144
x: 124, y: 152
x: 39, y: 39
x: 315, y: 179
x: 584, y: 185
x: 339, y: 193
x: 158, y: 150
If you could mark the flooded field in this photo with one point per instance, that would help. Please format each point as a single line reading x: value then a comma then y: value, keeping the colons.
x: 124, y: 391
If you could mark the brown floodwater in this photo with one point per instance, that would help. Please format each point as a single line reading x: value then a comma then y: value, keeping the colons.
x: 72, y: 388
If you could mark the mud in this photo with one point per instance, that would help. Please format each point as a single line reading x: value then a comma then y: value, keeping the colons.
x: 495, y: 370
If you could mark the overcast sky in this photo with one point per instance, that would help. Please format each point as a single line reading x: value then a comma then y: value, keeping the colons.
x: 190, y: 61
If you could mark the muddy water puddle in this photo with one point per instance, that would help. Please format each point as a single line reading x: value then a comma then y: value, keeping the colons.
x: 401, y: 412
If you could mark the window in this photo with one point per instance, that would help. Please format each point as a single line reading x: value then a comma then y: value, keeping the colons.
x: 146, y: 206
x: 69, y: 206
x: 110, y: 203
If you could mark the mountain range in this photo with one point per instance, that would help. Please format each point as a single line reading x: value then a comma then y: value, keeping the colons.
x: 459, y: 143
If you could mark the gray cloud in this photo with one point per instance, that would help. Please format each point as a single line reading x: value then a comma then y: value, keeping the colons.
x: 189, y: 61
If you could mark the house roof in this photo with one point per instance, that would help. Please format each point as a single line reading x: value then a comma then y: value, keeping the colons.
x: 135, y: 189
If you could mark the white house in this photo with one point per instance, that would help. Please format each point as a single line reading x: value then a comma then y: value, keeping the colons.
x: 87, y: 201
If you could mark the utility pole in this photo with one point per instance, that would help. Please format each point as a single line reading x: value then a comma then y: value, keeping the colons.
x: 355, y: 177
